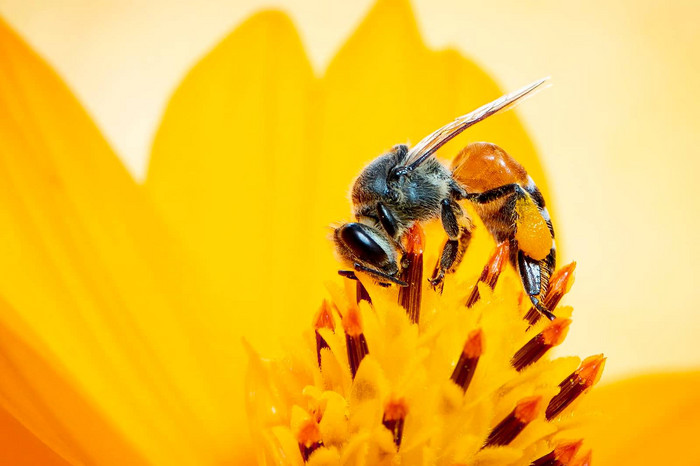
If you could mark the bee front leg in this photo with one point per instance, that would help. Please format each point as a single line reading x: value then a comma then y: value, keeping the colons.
x: 493, y: 194
x: 378, y: 274
x: 458, y: 240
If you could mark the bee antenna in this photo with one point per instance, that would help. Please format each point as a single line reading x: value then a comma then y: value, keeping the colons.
x: 401, y: 151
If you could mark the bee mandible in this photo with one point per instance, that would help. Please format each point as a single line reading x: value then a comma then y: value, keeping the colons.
x: 405, y: 186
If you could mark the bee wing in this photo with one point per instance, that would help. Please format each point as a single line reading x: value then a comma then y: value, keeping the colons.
x: 431, y: 143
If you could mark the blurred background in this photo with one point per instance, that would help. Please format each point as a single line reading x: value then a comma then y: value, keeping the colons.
x: 617, y: 131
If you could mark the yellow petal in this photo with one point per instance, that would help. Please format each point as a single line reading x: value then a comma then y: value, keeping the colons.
x: 652, y: 419
x: 19, y: 447
x: 230, y: 171
x: 66, y: 424
x: 87, y: 272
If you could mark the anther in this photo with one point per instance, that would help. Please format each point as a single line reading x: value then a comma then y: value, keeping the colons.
x: 534, y: 349
x: 468, y: 360
x: 361, y: 293
x: 493, y: 269
x: 395, y: 413
x: 559, y: 285
x: 524, y: 413
x: 412, y: 273
x: 576, y: 384
x: 323, y: 319
x: 354, y: 339
x: 309, y: 438
x: 562, y: 455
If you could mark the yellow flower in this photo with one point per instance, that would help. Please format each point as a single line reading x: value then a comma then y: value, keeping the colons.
x: 122, y: 306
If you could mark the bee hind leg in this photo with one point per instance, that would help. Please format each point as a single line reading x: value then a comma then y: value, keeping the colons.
x: 534, y: 275
x: 493, y: 194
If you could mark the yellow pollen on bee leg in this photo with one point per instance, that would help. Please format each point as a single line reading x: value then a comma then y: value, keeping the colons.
x: 533, y: 235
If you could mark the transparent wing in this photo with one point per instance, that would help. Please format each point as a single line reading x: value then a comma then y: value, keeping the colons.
x: 431, y: 143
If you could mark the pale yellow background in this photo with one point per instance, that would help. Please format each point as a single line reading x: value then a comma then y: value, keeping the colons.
x: 618, y: 131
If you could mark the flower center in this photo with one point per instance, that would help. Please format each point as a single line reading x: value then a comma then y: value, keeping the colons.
x: 403, y: 373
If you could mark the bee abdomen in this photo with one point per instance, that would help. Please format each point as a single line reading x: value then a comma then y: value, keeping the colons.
x: 482, y: 166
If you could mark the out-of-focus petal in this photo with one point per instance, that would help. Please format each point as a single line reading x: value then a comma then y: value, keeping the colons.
x: 66, y: 427
x: 652, y: 419
x: 231, y: 170
x: 19, y: 447
x: 88, y: 272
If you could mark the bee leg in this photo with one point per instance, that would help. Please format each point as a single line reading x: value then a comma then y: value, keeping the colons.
x: 458, y: 192
x: 378, y: 274
x: 348, y: 274
x: 493, y: 194
x: 534, y: 275
x: 447, y: 258
x: 458, y: 240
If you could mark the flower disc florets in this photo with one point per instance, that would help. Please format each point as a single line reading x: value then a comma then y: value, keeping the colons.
x: 417, y: 377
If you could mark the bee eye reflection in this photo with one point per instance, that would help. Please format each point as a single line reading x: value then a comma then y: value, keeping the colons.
x: 357, y: 238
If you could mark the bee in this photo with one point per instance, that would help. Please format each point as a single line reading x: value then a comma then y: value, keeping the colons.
x: 405, y: 186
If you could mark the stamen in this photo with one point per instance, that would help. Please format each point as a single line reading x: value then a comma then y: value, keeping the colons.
x: 575, y: 384
x: 354, y: 339
x: 323, y: 319
x: 395, y: 413
x: 525, y: 412
x: 309, y: 438
x: 562, y: 455
x: 361, y: 293
x: 534, y: 349
x: 584, y: 460
x: 493, y: 269
x: 410, y: 296
x: 466, y: 366
x: 559, y: 285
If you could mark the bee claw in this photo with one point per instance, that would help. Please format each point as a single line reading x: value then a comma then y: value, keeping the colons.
x: 541, y: 309
x: 437, y: 283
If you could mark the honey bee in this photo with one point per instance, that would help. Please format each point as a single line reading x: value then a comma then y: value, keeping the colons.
x: 406, y: 186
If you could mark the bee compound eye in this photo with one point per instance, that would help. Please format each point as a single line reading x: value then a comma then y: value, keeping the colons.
x: 387, y: 219
x: 359, y: 239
